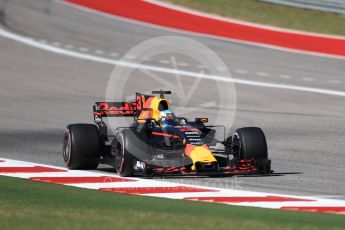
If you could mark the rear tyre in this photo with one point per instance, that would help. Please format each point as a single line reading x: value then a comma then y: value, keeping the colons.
x: 81, y: 148
x: 250, y: 143
x: 124, y: 161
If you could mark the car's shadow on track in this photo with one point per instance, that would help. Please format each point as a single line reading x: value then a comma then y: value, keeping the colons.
x: 225, y: 176
x: 109, y: 170
x: 176, y: 176
x: 271, y: 174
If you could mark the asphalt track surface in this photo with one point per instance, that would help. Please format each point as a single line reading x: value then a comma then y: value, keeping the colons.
x: 41, y: 92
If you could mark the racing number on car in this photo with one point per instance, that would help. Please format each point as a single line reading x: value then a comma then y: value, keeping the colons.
x: 139, y: 103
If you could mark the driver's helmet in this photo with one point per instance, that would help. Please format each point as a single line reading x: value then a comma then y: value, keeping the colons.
x: 167, y: 118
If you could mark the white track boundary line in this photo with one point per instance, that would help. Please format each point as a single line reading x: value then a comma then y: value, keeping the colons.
x: 172, y: 72
x: 171, y: 193
x: 233, y: 40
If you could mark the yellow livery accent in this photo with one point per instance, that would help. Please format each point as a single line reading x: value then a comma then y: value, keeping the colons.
x: 156, y: 103
x: 153, y: 107
x: 199, y: 154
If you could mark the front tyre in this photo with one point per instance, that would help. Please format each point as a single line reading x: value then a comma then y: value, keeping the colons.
x: 81, y: 148
x: 250, y: 143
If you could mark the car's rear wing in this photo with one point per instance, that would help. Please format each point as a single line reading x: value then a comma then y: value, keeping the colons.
x: 138, y: 109
x: 111, y: 109
x: 114, y: 109
x: 125, y: 109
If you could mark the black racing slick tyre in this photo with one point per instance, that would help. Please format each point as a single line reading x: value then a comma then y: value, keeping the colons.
x: 81, y: 148
x: 251, y: 143
x: 124, y: 161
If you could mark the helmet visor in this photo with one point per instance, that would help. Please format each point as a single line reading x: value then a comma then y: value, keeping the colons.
x: 169, y: 122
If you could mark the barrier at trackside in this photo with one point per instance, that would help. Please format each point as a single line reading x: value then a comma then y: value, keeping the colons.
x: 333, y: 6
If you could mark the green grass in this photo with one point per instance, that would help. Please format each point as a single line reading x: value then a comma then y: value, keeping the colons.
x: 27, y: 204
x: 270, y: 14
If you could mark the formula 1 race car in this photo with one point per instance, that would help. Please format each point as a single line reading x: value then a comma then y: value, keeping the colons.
x: 159, y: 143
